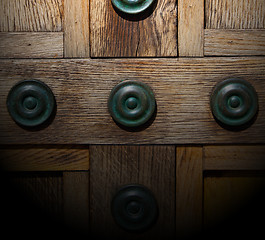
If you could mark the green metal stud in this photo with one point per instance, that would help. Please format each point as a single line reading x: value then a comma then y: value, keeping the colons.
x: 134, y: 208
x: 30, y: 103
x: 234, y: 102
x: 132, y: 6
x: 131, y: 103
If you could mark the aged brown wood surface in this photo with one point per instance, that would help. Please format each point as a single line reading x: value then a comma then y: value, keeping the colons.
x: 115, y: 166
x: 182, y: 89
x: 76, y: 201
x: 234, y: 157
x: 235, y: 14
x: 190, y: 28
x: 234, y: 42
x: 189, y: 191
x: 44, y: 158
x: 113, y: 35
x: 31, y: 15
x: 31, y: 45
x: 76, y: 28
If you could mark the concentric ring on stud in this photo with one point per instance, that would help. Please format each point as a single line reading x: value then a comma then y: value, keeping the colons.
x: 132, y: 6
x: 131, y: 103
x: 234, y: 102
x: 30, y: 103
x: 134, y: 208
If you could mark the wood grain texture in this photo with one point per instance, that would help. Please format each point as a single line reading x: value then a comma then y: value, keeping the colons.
x: 115, y: 166
x: 190, y: 28
x: 234, y: 157
x: 153, y: 35
x: 31, y: 15
x: 31, y: 45
x: 76, y: 28
x: 41, y: 158
x: 235, y: 14
x: 182, y: 88
x: 189, y: 191
x: 76, y: 201
x: 234, y: 42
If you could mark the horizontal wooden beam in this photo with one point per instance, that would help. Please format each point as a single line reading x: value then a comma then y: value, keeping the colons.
x: 44, y: 158
x: 182, y: 89
x: 234, y: 157
x: 31, y: 45
x: 234, y: 42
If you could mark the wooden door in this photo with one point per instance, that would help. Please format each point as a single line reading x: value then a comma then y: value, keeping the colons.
x: 62, y: 178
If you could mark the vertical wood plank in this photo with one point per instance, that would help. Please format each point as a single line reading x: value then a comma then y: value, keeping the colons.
x: 76, y: 28
x: 115, y: 166
x: 190, y: 28
x: 234, y: 14
x: 76, y: 201
x: 189, y: 191
x: 152, y: 34
x: 31, y: 15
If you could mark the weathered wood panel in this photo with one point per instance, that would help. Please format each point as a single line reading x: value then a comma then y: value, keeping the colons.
x: 235, y: 14
x: 189, y: 191
x: 76, y: 201
x: 190, y: 28
x: 153, y: 35
x: 234, y: 157
x: 44, y: 158
x: 115, y: 166
x: 182, y: 88
x: 234, y: 42
x: 31, y: 15
x: 31, y: 45
x: 76, y: 28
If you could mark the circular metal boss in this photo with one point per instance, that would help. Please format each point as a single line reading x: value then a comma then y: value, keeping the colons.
x: 30, y: 103
x: 132, y: 6
x: 131, y: 103
x: 234, y: 102
x: 134, y: 208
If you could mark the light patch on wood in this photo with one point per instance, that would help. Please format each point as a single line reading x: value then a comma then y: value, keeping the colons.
x: 234, y: 42
x: 31, y: 15
x: 235, y: 14
x: 31, y: 45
